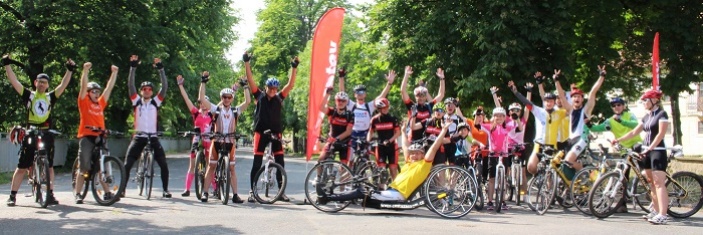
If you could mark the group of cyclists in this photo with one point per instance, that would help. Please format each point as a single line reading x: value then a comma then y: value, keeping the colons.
x: 435, y: 131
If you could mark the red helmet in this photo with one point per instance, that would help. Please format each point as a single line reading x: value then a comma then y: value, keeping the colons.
x: 575, y: 91
x: 652, y: 93
x: 382, y: 103
x: 17, y: 135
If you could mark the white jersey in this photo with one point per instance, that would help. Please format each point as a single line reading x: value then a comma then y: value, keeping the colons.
x: 146, y: 113
x: 578, y: 121
x: 226, y: 120
x: 540, y: 122
x: 362, y: 117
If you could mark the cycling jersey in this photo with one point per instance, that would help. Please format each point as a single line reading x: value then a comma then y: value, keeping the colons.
x: 146, y: 113
x: 450, y: 148
x: 203, y: 121
x: 424, y: 112
x: 433, y: 127
x: 225, y: 119
x: 628, y: 121
x: 547, y: 124
x: 477, y: 133
x: 412, y: 176
x: 564, y: 129
x: 516, y: 135
x: 650, y: 126
x: 362, y: 116
x: 498, y: 136
x: 39, y: 107
x: 578, y: 122
x: 385, y: 126
x: 91, y: 114
x: 268, y: 112
x: 339, y: 121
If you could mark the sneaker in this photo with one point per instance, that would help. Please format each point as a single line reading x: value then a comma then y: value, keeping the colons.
x: 490, y: 206
x: 166, y: 194
x: 650, y: 215
x: 284, y: 198
x: 236, y: 199
x: 204, y: 197
x: 185, y: 194
x: 78, y: 198
x: 251, y: 197
x: 503, y: 206
x: 52, y: 200
x: 659, y: 219
x: 11, y: 201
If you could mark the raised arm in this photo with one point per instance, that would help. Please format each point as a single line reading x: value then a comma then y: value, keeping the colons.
x: 494, y: 93
x: 404, y: 83
x: 519, y: 96
x: 405, y: 142
x: 291, y: 81
x: 84, y: 80
x: 592, y: 95
x: 326, y: 98
x: 110, y: 83
x: 250, y: 78
x: 133, y: 63
x: 529, y: 86
x: 247, y: 99
x: 204, y: 103
x: 440, y: 95
x: 342, y: 77
x: 70, y: 67
x: 6, y: 61
x: 562, y: 95
x: 539, y: 79
x: 164, y: 81
x: 179, y: 80
x: 390, y: 77
x: 429, y: 155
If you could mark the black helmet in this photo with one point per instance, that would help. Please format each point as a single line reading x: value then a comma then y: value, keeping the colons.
x: 617, y: 100
x: 550, y: 96
x: 149, y: 84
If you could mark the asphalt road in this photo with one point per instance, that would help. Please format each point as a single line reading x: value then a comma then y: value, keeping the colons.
x: 133, y: 214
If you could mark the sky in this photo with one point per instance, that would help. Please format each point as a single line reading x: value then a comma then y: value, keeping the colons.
x: 247, y: 25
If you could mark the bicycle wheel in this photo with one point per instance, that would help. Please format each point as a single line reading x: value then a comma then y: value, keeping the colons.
x: 547, y: 190
x: 199, y: 174
x: 450, y: 191
x: 581, y: 185
x: 533, y: 186
x: 267, y: 189
x: 148, y: 174
x: 516, y: 179
x: 684, y: 194
x: 499, y: 191
x: 564, y: 196
x: 328, y: 178
x: 371, y: 175
x: 481, y: 187
x: 605, y: 195
x: 42, y: 181
x: 110, y: 183
x: 76, y: 172
x: 141, y: 174
x: 641, y: 195
x: 226, y: 180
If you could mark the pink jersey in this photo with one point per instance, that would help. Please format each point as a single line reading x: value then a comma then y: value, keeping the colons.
x: 498, y: 137
x: 515, y: 136
x: 202, y: 120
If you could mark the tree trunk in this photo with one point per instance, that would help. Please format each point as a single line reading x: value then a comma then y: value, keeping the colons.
x: 676, y: 114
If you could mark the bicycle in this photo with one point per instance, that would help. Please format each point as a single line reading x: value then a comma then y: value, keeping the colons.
x: 583, y: 180
x: 145, y: 168
x: 265, y: 176
x: 107, y: 177
x: 361, y: 165
x: 222, y: 174
x: 683, y: 187
x: 201, y: 161
x: 39, y: 175
x: 473, y: 167
x: 515, y: 179
x: 499, y: 180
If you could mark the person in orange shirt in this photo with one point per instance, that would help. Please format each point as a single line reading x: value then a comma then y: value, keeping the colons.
x: 91, y: 106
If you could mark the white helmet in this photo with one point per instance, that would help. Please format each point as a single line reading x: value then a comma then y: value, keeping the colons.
x: 499, y: 110
x: 514, y: 106
x: 226, y: 91
x: 420, y: 90
x: 341, y: 96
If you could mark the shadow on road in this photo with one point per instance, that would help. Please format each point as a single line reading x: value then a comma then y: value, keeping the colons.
x: 111, y: 226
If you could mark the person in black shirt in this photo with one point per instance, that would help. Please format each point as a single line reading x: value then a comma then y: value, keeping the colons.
x: 267, y: 116
x: 433, y: 127
x: 653, y: 154
x: 422, y: 108
x: 387, y: 129
x: 341, y: 122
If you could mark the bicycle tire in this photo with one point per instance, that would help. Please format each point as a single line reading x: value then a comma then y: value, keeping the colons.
x: 271, y: 184
x: 637, y: 192
x: 691, y: 187
x: 499, y: 190
x: 518, y: 184
x: 564, y: 197
x: 481, y: 186
x: 75, y: 172
x: 225, y: 182
x: 149, y: 176
x: 580, y: 186
x: 116, y: 181
x: 333, y: 178
x: 199, y: 174
x: 43, y: 182
x: 600, y: 204
x: 532, y: 190
x: 448, y: 199
x: 140, y: 177
x: 547, y: 191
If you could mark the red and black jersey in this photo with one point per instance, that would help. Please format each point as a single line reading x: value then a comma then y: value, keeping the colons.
x: 424, y: 112
x: 385, y: 126
x: 433, y: 127
x: 339, y: 121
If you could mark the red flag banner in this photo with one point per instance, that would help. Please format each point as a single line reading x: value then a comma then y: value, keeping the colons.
x: 323, y: 67
x: 655, y: 62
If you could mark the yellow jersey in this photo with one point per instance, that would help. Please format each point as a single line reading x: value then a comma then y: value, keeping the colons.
x: 555, y: 123
x: 412, y: 176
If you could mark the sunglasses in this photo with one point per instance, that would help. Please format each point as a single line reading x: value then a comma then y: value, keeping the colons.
x: 439, y: 110
x: 515, y: 110
x: 340, y: 100
x: 146, y: 89
x: 227, y: 97
x: 420, y: 95
x: 615, y: 105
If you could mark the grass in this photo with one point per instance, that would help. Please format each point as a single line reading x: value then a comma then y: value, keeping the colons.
x: 5, y: 177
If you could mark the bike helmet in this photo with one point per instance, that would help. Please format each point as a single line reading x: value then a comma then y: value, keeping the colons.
x: 420, y: 90
x: 550, y: 96
x: 272, y: 82
x: 652, y: 93
x: 145, y: 84
x: 450, y: 100
x: 498, y: 110
x: 93, y: 86
x: 382, y: 103
x: 439, y: 107
x: 617, y: 100
x: 226, y: 91
x: 359, y: 88
x: 44, y: 76
x: 416, y: 147
x: 462, y: 125
x: 575, y: 91
x: 479, y: 111
x: 514, y: 106
x: 16, y: 135
x: 341, y: 96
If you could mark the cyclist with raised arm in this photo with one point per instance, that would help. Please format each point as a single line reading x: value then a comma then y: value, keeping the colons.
x: 341, y: 122
x: 562, y: 131
x: 39, y: 103
x: 497, y: 131
x: 433, y: 127
x: 516, y: 136
x: 422, y: 107
x: 387, y: 128
x: 362, y: 110
x: 146, y: 109
x: 450, y: 104
x: 579, y: 113
x: 419, y: 164
x: 225, y: 123
x: 91, y: 106
x: 268, y: 116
